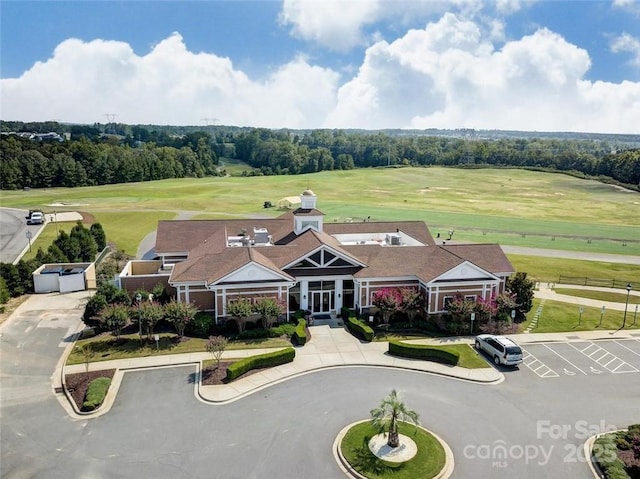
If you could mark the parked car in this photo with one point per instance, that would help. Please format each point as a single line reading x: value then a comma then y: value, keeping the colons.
x: 500, y: 348
x: 36, y: 218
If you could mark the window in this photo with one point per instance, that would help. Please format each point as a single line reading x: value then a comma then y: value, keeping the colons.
x: 471, y: 297
x: 447, y: 301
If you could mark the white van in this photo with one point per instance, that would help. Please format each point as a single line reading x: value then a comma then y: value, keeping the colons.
x: 500, y: 348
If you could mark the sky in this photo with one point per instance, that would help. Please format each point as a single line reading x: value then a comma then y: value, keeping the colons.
x: 484, y: 64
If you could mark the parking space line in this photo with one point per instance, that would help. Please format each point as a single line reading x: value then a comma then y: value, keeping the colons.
x: 583, y: 350
x: 547, y: 372
x: 607, y: 353
x: 605, y: 365
x: 618, y: 343
x: 565, y: 359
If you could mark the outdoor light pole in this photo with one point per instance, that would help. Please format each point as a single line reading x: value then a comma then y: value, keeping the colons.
x: 634, y: 316
x: 601, y: 315
x: 624, y: 318
x: 580, y: 317
x: 473, y: 316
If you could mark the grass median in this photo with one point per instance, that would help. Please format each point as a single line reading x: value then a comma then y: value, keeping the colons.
x: 107, y: 347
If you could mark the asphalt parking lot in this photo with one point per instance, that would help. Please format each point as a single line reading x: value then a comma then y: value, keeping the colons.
x: 568, y: 359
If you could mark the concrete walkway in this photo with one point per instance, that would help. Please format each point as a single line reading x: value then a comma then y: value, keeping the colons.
x: 327, y: 348
x: 545, y: 291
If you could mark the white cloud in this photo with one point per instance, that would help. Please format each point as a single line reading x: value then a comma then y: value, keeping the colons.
x: 335, y: 24
x: 632, y: 6
x: 627, y: 43
x: 84, y: 80
x: 448, y: 76
x: 340, y: 25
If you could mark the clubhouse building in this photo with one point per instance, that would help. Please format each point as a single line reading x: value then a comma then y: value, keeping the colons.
x: 312, y: 265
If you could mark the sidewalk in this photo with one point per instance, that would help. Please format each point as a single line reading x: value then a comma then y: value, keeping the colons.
x: 545, y: 292
x: 328, y: 348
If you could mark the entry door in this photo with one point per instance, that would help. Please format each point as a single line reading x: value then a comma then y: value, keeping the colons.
x: 321, y: 301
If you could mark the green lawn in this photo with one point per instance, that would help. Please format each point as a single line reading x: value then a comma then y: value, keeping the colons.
x: 503, y: 203
x: 548, y: 269
x: 469, y: 357
x: 563, y: 317
x: 427, y: 463
x: 48, y: 235
x: 106, y: 348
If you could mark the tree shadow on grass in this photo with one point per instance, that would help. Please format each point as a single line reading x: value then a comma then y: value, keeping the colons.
x: 367, y: 462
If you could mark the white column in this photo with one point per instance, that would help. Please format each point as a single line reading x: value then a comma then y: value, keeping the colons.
x: 304, y: 294
x: 338, y: 293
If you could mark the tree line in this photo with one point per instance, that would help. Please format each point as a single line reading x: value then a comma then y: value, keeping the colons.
x: 26, y: 163
x: 116, y: 153
x: 80, y: 245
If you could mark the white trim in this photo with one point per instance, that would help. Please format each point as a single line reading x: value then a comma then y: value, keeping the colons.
x: 323, y: 247
x: 248, y: 283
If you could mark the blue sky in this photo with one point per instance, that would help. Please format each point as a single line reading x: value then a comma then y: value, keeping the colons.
x: 508, y: 64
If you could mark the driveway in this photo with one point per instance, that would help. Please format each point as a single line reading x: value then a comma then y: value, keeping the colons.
x: 13, y: 233
x: 157, y: 428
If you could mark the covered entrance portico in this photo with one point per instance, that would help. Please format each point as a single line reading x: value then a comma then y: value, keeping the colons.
x: 322, y: 296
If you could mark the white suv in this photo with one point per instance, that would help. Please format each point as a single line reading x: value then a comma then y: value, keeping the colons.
x: 501, y: 349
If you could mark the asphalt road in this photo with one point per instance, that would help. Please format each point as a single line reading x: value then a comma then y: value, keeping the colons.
x: 13, y: 233
x: 157, y: 428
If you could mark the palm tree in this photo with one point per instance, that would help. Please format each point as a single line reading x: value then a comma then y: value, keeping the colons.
x: 385, y: 418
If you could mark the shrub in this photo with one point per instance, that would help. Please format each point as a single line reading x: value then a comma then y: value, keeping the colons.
x: 201, y: 325
x: 300, y: 333
x: 604, y: 452
x: 274, y: 358
x: 258, y: 333
x: 286, y: 329
x: 359, y: 329
x: 96, y: 393
x: 421, y: 351
x: 345, y: 313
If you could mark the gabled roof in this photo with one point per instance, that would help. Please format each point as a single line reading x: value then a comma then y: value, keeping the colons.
x: 210, y: 258
x: 212, y: 268
x: 489, y: 257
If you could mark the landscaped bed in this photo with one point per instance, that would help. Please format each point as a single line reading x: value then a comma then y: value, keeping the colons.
x: 78, y: 383
x: 427, y: 463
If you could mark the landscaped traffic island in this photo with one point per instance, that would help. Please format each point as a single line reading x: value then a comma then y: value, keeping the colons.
x: 356, y: 452
x: 392, y: 445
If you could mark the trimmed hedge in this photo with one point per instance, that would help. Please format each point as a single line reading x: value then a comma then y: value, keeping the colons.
x: 300, y: 334
x: 422, y: 351
x: 96, y: 393
x: 359, y: 329
x: 274, y: 358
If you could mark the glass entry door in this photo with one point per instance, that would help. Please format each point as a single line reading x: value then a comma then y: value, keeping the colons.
x: 321, y: 301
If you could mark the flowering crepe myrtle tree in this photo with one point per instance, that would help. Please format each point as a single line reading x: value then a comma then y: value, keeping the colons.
x: 147, y: 313
x: 179, y: 314
x: 116, y: 317
x: 269, y: 309
x: 412, y: 300
x: 240, y: 310
x: 387, y: 300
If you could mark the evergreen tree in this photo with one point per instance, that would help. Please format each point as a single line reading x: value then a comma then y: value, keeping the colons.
x: 98, y: 235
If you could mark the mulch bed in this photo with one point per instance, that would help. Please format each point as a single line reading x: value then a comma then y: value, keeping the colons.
x: 77, y: 384
x: 213, y: 376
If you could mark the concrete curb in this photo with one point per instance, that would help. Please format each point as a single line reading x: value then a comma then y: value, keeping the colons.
x: 203, y: 396
x: 344, y: 465
x: 201, y: 393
